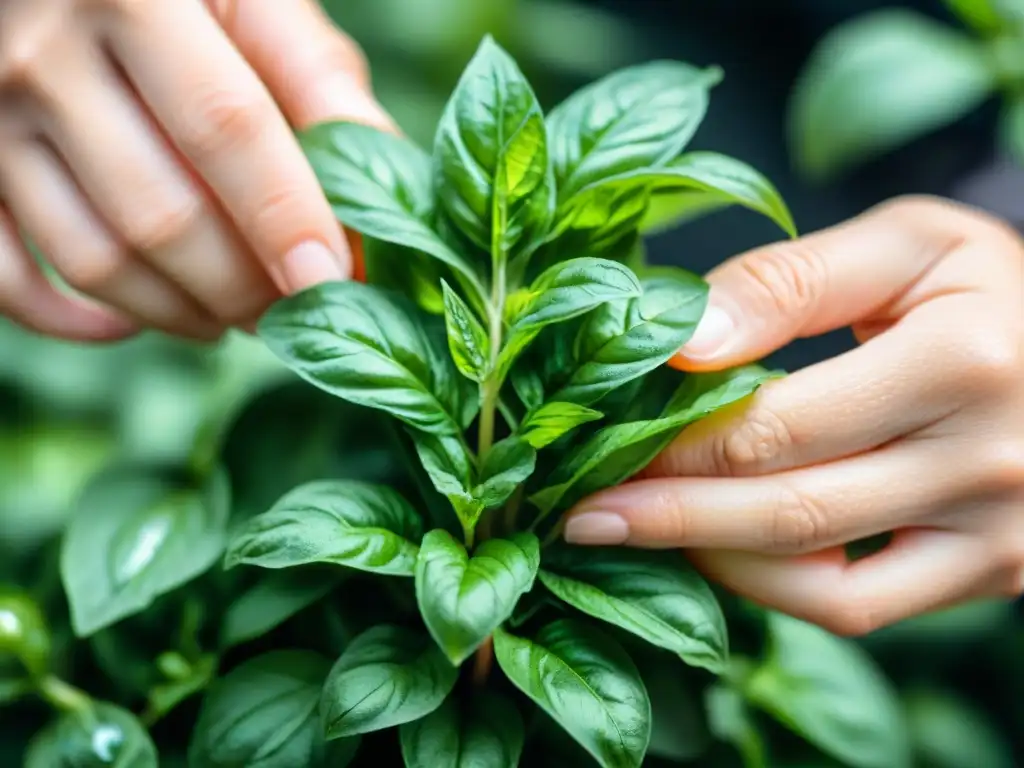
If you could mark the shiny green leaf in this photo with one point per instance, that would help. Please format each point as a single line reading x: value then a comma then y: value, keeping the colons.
x: 484, y: 732
x: 554, y: 420
x: 507, y: 464
x: 467, y: 339
x: 105, y: 736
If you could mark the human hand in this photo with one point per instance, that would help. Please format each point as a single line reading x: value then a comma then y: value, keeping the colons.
x: 145, y: 148
x: 919, y: 430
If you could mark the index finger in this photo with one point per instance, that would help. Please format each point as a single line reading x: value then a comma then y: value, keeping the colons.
x: 221, y: 117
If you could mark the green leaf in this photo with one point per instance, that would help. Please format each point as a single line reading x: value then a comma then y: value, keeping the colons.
x: 467, y: 339
x: 638, y: 117
x: 449, y: 466
x: 485, y: 732
x: 679, y: 729
x: 385, y: 677
x: 618, y: 452
x: 988, y: 16
x: 490, y: 157
x: 564, y: 291
x: 829, y: 691
x: 346, y: 522
x: 105, y: 736
x: 702, y: 181
x: 624, y: 341
x: 275, y: 598
x: 880, y: 81
x: 373, y: 349
x: 657, y: 596
x: 138, y: 532
x: 587, y: 683
x: 948, y: 732
x: 263, y: 714
x: 507, y: 464
x: 24, y: 632
x: 464, y: 599
x: 554, y: 420
x: 732, y: 721
x: 379, y: 184
x: 1011, y: 128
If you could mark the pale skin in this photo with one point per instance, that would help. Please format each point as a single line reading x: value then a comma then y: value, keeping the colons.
x: 147, y: 148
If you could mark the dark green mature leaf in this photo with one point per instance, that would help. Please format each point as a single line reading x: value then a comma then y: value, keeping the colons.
x: 275, y: 598
x: 490, y: 156
x: 623, y: 341
x: 373, y: 349
x: 263, y: 714
x: 385, y: 677
x: 107, y: 736
x: 464, y: 599
x: 878, y: 82
x: 679, y: 729
x: 507, y: 464
x: 486, y: 732
x: 587, y: 683
x: 618, y: 452
x: 554, y: 420
x: 829, y: 691
x: 347, y: 522
x: 657, y: 596
x: 637, y: 117
x: 467, y: 339
x: 379, y: 184
x: 699, y: 180
x: 137, y: 532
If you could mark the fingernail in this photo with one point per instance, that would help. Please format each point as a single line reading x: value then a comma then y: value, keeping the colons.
x: 306, y: 265
x: 596, y: 528
x: 713, y: 333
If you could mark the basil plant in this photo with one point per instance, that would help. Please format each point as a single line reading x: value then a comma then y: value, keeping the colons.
x: 368, y: 569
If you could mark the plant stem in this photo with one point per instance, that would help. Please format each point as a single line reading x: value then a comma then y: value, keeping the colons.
x: 512, y: 509
x: 63, y: 696
x: 483, y: 660
x: 554, y: 534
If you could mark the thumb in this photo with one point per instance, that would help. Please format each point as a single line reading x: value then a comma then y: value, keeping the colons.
x: 764, y: 299
x: 314, y: 70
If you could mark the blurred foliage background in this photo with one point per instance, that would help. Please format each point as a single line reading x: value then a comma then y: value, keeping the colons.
x: 67, y: 410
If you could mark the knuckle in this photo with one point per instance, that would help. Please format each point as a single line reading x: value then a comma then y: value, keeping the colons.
x: 21, y: 59
x: 94, y: 271
x: 221, y: 120
x: 760, y: 440
x: 993, y: 362
x: 792, y: 276
x: 155, y: 228
x: 799, y: 523
x: 1002, y: 466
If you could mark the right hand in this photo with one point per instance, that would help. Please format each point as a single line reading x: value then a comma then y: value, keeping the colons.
x: 146, y: 148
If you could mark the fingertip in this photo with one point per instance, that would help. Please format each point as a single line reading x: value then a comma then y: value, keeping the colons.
x: 311, y: 263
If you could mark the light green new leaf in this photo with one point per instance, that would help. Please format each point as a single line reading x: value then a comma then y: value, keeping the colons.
x: 490, y: 157
x: 618, y: 452
x: 989, y: 16
x: 379, y: 184
x: 138, y: 532
x: 507, y: 464
x: 639, y: 117
x: 263, y: 714
x: 448, y: 464
x: 626, y: 340
x: 830, y: 692
x: 346, y: 522
x: 373, y: 349
x: 880, y: 81
x: 657, y: 596
x: 467, y: 339
x: 108, y: 735
x: 386, y: 676
x: 587, y: 683
x: 554, y: 420
x: 485, y: 732
x: 464, y: 599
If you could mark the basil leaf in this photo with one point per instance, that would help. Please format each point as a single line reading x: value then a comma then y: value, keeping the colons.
x: 487, y: 732
x: 464, y: 599
x: 275, y: 598
x: 705, y: 180
x: 554, y: 420
x: 490, y: 157
x: 263, y: 714
x: 449, y: 466
x: 346, y: 522
x: 467, y: 339
x: 657, y: 596
x: 638, y: 117
x: 386, y: 676
x: 107, y: 735
x: 379, y: 184
x: 566, y: 290
x: 880, y: 81
x: 508, y: 463
x: 948, y: 732
x: 732, y: 721
x: 988, y: 16
x: 138, y: 532
x: 618, y: 452
x: 373, y: 349
x: 644, y: 334
x: 1011, y: 128
x: 829, y: 691
x: 587, y: 683
x: 679, y: 728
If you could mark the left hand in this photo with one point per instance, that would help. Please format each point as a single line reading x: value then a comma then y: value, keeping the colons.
x: 918, y: 431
